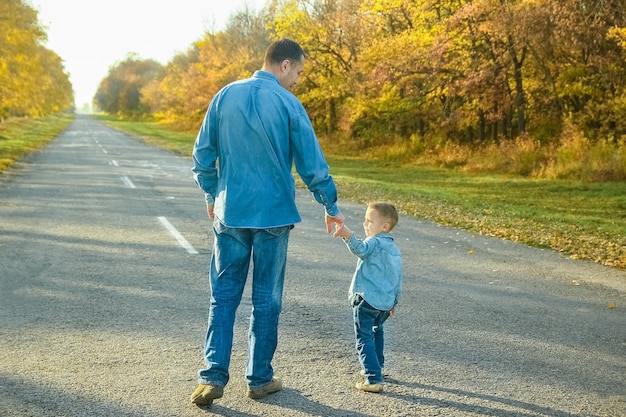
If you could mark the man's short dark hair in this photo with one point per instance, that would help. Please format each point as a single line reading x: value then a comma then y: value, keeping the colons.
x: 283, y: 49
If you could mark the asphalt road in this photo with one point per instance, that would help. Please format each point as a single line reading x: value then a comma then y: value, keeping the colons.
x: 104, y: 248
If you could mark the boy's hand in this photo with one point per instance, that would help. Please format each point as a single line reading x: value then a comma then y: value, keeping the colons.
x: 342, y: 231
x: 392, y: 312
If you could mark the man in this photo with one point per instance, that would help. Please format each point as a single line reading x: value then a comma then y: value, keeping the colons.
x: 254, y: 131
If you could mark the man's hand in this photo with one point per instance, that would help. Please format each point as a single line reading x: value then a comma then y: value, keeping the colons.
x: 338, y: 220
x: 209, y: 210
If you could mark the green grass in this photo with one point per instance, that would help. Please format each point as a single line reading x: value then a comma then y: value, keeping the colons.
x: 153, y: 133
x: 585, y: 221
x: 19, y: 137
x: 582, y: 220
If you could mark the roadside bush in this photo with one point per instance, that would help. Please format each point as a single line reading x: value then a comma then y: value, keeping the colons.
x: 576, y: 157
x: 571, y: 155
x: 608, y: 160
x: 523, y: 156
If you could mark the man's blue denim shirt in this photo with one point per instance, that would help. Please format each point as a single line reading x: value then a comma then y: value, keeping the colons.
x: 252, y: 134
x: 378, y: 275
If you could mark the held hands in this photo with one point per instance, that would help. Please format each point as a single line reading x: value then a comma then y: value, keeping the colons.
x: 337, y: 220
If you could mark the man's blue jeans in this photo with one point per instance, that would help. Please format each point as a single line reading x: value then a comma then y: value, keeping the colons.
x: 370, y: 338
x: 230, y: 261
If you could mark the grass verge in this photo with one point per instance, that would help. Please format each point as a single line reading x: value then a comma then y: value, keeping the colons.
x: 584, y: 221
x: 153, y: 133
x: 19, y: 137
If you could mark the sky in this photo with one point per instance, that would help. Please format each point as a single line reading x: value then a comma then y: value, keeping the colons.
x: 91, y: 36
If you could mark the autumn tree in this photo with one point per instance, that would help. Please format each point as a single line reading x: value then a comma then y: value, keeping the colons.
x: 169, y: 96
x: 587, y: 65
x: 33, y: 81
x: 53, y: 86
x: 119, y: 92
x: 397, y: 91
x: 482, y: 49
x: 331, y: 34
x: 491, y: 69
x: 549, y: 60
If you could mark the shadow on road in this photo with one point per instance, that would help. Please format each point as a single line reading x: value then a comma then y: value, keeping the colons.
x: 19, y: 397
x: 290, y: 399
x: 501, y: 406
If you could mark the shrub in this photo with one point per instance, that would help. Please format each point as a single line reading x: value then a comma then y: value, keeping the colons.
x: 576, y: 157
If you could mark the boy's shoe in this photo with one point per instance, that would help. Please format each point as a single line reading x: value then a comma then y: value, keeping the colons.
x: 367, y: 387
x: 205, y: 394
x: 271, y: 387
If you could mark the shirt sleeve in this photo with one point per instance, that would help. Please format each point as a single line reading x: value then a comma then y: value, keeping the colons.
x: 311, y: 164
x: 205, y: 172
x: 398, y: 290
x: 360, y: 248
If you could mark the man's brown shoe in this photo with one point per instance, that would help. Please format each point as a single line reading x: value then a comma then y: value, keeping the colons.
x: 271, y: 387
x: 205, y: 394
x: 367, y: 387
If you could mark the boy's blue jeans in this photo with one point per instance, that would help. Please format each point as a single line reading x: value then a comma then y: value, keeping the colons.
x: 370, y: 338
x: 230, y: 261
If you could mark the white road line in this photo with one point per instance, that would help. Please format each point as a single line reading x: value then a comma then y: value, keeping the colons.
x: 128, y: 182
x: 114, y: 163
x: 180, y: 238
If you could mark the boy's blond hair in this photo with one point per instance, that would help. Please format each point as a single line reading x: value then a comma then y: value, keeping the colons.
x: 387, y: 211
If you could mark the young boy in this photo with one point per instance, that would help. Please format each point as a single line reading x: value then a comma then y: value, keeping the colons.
x: 375, y: 289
